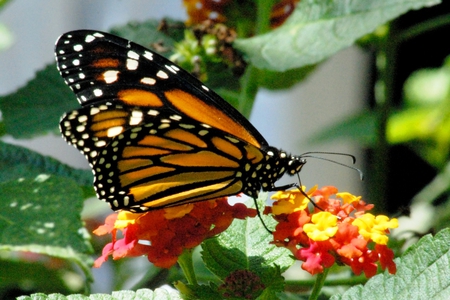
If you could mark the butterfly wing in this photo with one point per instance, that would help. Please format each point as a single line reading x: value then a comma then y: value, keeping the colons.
x: 154, y: 135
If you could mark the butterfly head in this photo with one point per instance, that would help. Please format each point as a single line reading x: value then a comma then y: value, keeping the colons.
x: 285, y: 163
x: 295, y: 164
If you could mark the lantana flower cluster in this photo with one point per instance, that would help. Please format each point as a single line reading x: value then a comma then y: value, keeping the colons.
x: 162, y: 235
x: 336, y: 230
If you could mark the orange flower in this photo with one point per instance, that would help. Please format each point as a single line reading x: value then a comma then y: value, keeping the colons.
x: 337, y: 229
x: 163, y: 234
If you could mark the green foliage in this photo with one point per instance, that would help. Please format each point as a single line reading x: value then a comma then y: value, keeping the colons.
x: 17, y: 162
x: 42, y: 215
x: 148, y: 34
x: 246, y: 246
x: 36, y: 108
x: 22, y: 275
x: 319, y: 29
x: 425, y: 120
x: 143, y: 294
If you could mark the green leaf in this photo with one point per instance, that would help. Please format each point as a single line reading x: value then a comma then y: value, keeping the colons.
x: 32, y: 276
x: 423, y: 272
x: 36, y: 108
x: 360, y: 128
x: 245, y: 245
x: 148, y: 34
x: 204, y: 292
x: 273, y: 80
x: 318, y: 29
x: 412, y: 123
x: 17, y: 162
x: 42, y: 215
x: 142, y: 294
x: 427, y: 87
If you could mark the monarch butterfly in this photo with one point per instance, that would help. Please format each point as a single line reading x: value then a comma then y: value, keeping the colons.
x: 154, y: 135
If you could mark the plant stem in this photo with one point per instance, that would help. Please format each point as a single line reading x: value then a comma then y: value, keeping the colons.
x: 250, y: 86
x: 250, y: 83
x: 354, y: 280
x: 320, y: 280
x: 187, y: 266
x: 263, y: 11
x: 384, y: 101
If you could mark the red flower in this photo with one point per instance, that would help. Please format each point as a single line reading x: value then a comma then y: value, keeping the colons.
x: 316, y: 257
x: 163, y: 234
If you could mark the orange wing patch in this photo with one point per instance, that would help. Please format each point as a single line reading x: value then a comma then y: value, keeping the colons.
x: 136, y: 97
x: 207, y: 114
x: 105, y: 63
x: 186, y: 137
x: 200, y: 159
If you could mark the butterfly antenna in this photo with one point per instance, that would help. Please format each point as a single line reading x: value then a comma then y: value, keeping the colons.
x: 309, y: 154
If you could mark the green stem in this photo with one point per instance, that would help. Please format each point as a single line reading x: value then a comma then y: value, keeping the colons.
x: 250, y: 86
x: 320, y: 280
x: 187, y: 266
x: 250, y: 82
x: 354, y: 280
x: 384, y: 102
x: 263, y: 11
x: 423, y: 28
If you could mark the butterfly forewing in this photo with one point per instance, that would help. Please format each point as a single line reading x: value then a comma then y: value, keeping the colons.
x: 100, y: 67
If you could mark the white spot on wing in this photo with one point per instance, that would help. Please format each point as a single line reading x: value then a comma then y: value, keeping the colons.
x: 110, y: 76
x: 98, y: 92
x: 136, y: 117
x: 162, y: 75
x: 113, y: 131
x: 132, y: 64
x: 78, y: 47
x: 148, y: 55
x: 148, y: 80
x: 89, y: 38
x: 171, y: 69
x: 133, y: 55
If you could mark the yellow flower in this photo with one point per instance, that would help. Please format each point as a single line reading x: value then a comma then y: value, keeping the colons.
x: 348, y: 198
x: 125, y: 218
x: 324, y: 226
x: 290, y: 201
x: 375, y: 228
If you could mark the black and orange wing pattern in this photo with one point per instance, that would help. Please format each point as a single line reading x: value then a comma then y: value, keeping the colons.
x: 153, y: 134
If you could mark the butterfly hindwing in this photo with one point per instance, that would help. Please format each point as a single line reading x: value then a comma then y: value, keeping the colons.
x: 169, y: 161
